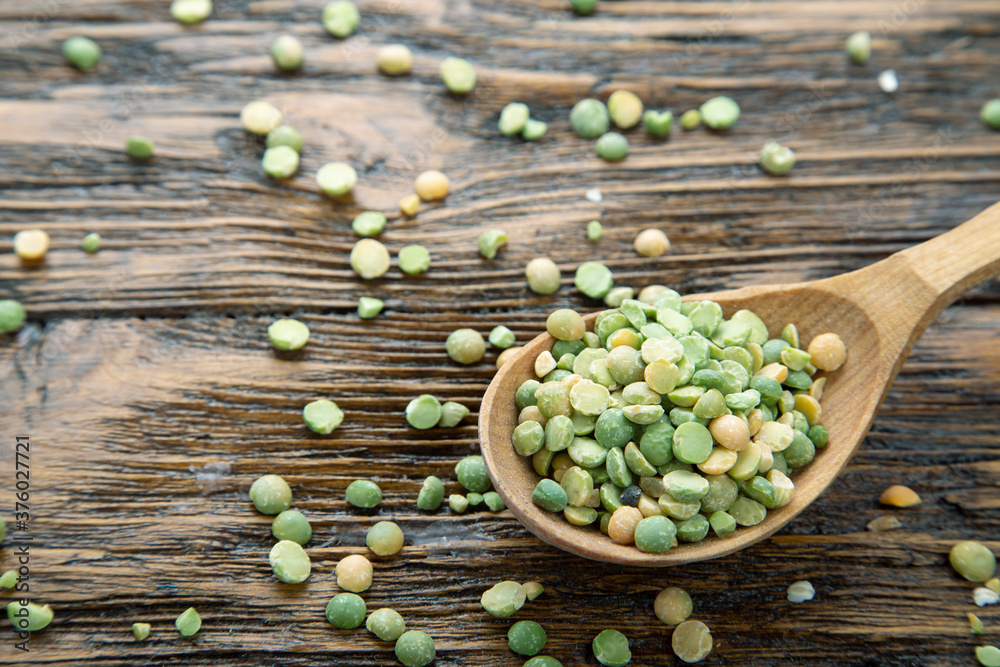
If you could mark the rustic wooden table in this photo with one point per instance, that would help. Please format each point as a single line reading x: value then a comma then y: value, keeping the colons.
x: 146, y: 367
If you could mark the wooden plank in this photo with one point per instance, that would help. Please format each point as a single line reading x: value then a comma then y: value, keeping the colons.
x: 141, y: 407
x: 145, y: 367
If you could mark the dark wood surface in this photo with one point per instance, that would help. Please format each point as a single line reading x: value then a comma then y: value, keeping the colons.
x: 147, y: 362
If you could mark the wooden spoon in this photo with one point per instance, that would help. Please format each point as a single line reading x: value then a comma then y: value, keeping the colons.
x: 879, y: 312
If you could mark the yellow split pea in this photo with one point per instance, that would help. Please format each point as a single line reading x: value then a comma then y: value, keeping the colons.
x: 260, y: 117
x: 828, y: 352
x: 731, y: 432
x: 432, y: 185
x: 621, y: 528
x: 409, y: 205
x: 719, y: 462
x: 31, y: 244
x: 651, y: 243
x: 899, y: 496
x: 394, y: 60
x: 625, y: 109
x: 354, y: 573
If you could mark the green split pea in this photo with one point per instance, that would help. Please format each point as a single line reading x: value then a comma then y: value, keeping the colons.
x: 369, y: 307
x: 501, y: 337
x: 140, y: 630
x: 612, y: 146
x: 189, y: 622
x: 690, y: 120
x: 336, y: 178
x: 384, y: 538
x: 431, y: 494
x: 594, y: 231
x: 91, y: 243
x: 543, y: 661
x: 414, y: 259
x: 415, y: 649
x: 593, y: 279
x: 458, y: 75
x: 658, y: 123
x: 288, y: 334
x: 363, y: 493
x: 386, y: 624
x: 625, y: 109
x: 534, y: 130
x: 589, y: 118
x: 82, y: 53
x: 493, y: 501
x: 513, y: 118
x: 526, y: 638
x: 280, y: 162
x: 720, y: 113
x: 190, y: 12
x: 270, y: 494
x: 491, y: 241
x: 542, y: 275
x: 369, y: 223
x: 423, y: 412
x: 12, y: 316
x: 859, y: 47
x: 532, y: 589
x: 139, y: 148
x: 611, y: 649
x: 465, y: 346
x: 30, y: 617
x: 471, y: 474
x: 990, y: 114
x: 286, y: 51
x: 284, y: 135
x: 776, y: 159
x: 451, y: 414
x: 565, y: 324
x: 691, y: 641
x: 346, y: 611
x: 341, y: 18
x: 458, y: 503
x: 289, y: 562
x: 322, y: 416
x: 973, y: 561
x: 504, y: 599
x: 988, y: 656
x: 291, y: 525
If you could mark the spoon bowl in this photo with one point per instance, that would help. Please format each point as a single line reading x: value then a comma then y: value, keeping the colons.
x: 878, y: 311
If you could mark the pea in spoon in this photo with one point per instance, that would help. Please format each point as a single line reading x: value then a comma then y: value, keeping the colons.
x: 879, y: 311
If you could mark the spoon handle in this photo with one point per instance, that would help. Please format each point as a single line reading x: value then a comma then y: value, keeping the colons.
x: 957, y: 261
x: 905, y: 292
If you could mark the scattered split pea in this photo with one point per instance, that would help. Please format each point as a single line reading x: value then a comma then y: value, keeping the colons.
x: 82, y: 53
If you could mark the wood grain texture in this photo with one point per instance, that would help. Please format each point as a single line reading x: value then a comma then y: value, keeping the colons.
x: 148, y: 361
